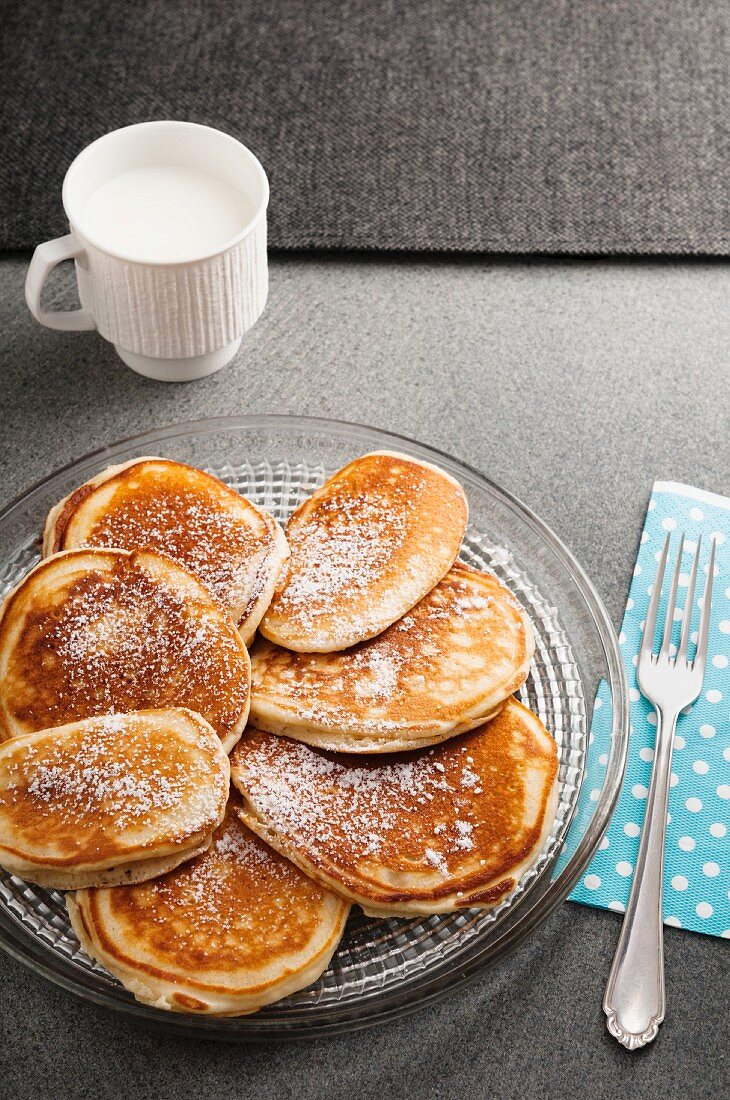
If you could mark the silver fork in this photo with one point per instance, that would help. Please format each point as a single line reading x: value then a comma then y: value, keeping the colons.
x: 634, y: 1002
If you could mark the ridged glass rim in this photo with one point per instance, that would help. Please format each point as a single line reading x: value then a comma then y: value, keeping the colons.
x: 420, y: 990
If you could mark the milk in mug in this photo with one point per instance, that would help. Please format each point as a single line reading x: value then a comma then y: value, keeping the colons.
x: 165, y: 215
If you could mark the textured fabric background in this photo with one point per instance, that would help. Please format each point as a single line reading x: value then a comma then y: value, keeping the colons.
x: 499, y: 125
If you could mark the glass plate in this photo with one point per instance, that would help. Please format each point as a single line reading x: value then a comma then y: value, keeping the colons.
x: 382, y: 968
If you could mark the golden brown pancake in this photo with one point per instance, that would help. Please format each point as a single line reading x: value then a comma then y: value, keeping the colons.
x: 110, y: 800
x: 365, y: 548
x: 236, y: 549
x: 443, y: 668
x: 89, y: 632
x: 445, y: 828
x: 228, y: 932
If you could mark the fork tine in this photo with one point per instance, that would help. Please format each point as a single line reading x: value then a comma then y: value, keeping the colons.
x: 672, y: 603
x: 689, y: 605
x: 647, y: 641
x: 701, y: 654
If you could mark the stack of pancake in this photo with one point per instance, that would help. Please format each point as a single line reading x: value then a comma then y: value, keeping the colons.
x: 377, y: 754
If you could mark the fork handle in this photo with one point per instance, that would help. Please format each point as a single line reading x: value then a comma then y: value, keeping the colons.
x: 634, y: 1002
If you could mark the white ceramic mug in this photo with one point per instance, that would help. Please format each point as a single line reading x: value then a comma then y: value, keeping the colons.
x: 170, y: 321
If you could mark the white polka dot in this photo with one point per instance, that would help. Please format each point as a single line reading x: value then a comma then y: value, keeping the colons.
x: 679, y: 882
x: 631, y: 828
x: 687, y: 843
x: 639, y: 790
x: 726, y: 753
x: 621, y: 638
x: 725, y: 935
x: 595, y: 795
x: 651, y: 719
x: 711, y: 869
x: 683, y: 580
x: 704, y: 910
x: 673, y: 922
x: 673, y: 779
x: 617, y: 906
x: 605, y: 843
x: 644, y: 536
x: 696, y: 514
x: 603, y: 759
x: 720, y: 660
x: 647, y: 755
x: 689, y: 546
x: 707, y: 730
x: 693, y: 637
x: 713, y: 695
x: 679, y: 741
x: 669, y: 819
x: 624, y: 869
x: 591, y: 882
x: 651, y: 505
x: 723, y: 791
x: 701, y: 767
x: 693, y: 805
x: 598, y: 704
x: 727, y: 593
x: 668, y: 523
x: 678, y: 614
x: 724, y: 626
x: 635, y: 660
x: 634, y: 695
x: 718, y: 537
x: 637, y: 569
x: 629, y: 604
x: 718, y: 830
x: 591, y: 738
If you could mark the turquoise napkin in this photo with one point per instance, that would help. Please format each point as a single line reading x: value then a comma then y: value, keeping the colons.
x: 697, y: 860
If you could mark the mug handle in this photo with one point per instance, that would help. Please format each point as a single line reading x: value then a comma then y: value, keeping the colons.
x: 45, y: 258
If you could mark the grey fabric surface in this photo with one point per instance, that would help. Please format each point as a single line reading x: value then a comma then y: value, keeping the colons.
x: 573, y: 385
x: 567, y: 126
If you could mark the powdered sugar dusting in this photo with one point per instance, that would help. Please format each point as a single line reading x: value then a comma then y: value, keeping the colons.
x: 235, y: 905
x: 342, y: 550
x: 380, y: 807
x: 447, y: 654
x: 200, y: 523
x: 118, y: 639
x: 111, y: 775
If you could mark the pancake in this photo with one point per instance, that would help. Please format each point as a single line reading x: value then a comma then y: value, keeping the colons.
x: 110, y: 800
x: 446, y: 828
x: 228, y: 932
x: 365, y: 548
x: 236, y: 549
x: 444, y: 668
x: 89, y: 632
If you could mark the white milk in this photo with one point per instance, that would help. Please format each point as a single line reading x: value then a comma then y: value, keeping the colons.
x: 165, y: 214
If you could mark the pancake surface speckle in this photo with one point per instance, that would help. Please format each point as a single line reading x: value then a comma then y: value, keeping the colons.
x: 235, y: 548
x: 234, y: 929
x: 89, y: 632
x: 443, y: 828
x: 80, y: 802
x: 365, y: 547
x: 440, y: 670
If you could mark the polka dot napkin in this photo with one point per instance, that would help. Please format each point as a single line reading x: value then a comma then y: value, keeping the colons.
x: 697, y: 860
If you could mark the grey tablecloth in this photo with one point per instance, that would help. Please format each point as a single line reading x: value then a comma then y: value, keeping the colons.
x: 573, y: 386
x: 567, y: 126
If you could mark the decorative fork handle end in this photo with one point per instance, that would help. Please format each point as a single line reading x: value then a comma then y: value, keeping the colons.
x: 629, y: 1039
